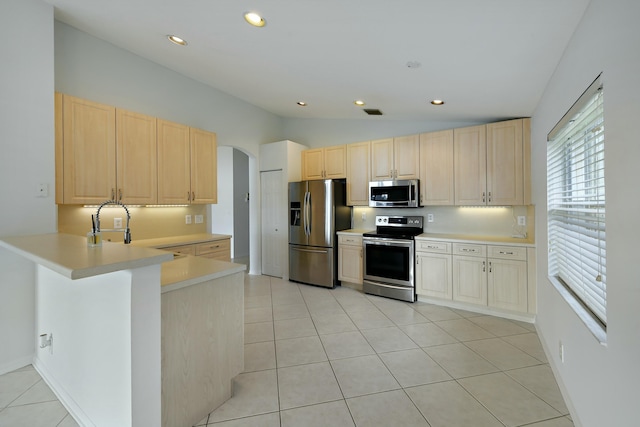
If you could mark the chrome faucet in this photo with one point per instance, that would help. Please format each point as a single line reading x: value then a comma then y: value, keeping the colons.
x: 127, y: 231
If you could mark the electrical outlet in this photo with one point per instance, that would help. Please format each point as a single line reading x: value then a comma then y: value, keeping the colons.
x: 199, y: 219
x: 187, y: 219
x: 364, y: 216
x: 117, y: 222
x: 561, y: 351
x: 42, y: 190
x: 429, y: 217
x: 522, y: 220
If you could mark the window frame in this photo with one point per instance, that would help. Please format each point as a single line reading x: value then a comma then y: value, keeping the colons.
x: 576, y: 175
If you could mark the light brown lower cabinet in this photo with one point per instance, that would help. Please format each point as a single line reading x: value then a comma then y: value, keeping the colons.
x: 492, y: 276
x: 350, y: 258
x: 215, y: 249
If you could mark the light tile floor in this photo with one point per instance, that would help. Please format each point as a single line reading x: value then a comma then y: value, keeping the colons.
x: 319, y: 357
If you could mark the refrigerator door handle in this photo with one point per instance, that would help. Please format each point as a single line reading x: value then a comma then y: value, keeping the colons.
x: 307, y: 217
x: 311, y: 251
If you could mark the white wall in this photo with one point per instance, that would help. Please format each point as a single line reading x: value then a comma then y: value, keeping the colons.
x: 26, y: 143
x: 602, y: 381
x: 322, y: 133
x: 221, y: 214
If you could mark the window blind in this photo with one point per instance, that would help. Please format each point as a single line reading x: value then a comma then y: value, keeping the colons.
x: 576, y: 202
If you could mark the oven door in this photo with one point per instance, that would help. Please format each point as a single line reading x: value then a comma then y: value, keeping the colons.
x: 388, y: 260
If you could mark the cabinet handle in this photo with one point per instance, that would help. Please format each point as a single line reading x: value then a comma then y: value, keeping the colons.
x: 483, y: 198
x: 468, y: 250
x: 188, y: 196
x: 489, y: 196
x: 484, y: 266
x: 193, y: 196
x: 431, y: 247
x: 113, y: 194
x: 490, y: 267
x: 120, y: 194
x: 505, y: 253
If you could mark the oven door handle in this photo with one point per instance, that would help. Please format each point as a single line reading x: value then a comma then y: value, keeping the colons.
x: 386, y: 285
x: 387, y: 242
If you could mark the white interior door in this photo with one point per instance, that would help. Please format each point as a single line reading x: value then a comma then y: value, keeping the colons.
x: 274, y: 222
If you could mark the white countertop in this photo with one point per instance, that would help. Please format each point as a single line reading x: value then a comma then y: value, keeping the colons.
x: 462, y: 238
x: 354, y: 231
x: 188, y: 270
x: 467, y: 238
x: 70, y: 256
x: 186, y: 239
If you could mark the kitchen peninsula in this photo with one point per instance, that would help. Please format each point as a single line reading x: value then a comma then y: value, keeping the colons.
x: 135, y: 336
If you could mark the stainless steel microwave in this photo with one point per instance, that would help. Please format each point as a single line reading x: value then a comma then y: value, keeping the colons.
x: 400, y: 193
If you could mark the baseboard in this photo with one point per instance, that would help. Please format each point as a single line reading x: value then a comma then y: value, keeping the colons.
x: 512, y: 315
x: 18, y: 363
x: 561, y: 386
x: 67, y: 401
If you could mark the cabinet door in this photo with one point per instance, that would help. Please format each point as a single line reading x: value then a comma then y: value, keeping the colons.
x: 436, y: 168
x: 381, y: 159
x: 174, y: 163
x: 335, y: 162
x: 505, y: 163
x: 470, y: 279
x: 358, y: 173
x: 406, y: 157
x: 313, y: 164
x: 470, y: 165
x: 89, y: 151
x: 136, y: 149
x: 508, y: 284
x: 434, y: 275
x: 59, y: 141
x: 350, y: 264
x: 204, y: 166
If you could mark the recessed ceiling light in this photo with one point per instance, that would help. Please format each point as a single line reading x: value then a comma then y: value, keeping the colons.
x: 359, y: 103
x: 437, y: 102
x: 301, y: 103
x: 177, y: 40
x: 254, y: 19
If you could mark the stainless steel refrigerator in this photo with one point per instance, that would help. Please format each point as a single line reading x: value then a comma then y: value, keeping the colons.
x: 317, y: 209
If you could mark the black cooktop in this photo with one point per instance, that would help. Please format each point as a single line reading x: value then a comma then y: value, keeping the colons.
x: 397, y: 227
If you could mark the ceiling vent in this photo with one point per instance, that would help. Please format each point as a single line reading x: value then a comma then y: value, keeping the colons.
x: 373, y: 111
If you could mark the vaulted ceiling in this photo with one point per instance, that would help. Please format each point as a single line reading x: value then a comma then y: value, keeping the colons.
x: 487, y: 59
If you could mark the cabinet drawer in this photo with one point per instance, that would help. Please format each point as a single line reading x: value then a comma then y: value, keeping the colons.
x: 433, y: 247
x: 469, y: 249
x: 508, y: 252
x: 183, y: 249
x: 223, y: 246
x: 354, y: 240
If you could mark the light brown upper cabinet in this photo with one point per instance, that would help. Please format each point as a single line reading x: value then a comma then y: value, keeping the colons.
x: 436, y: 168
x: 136, y: 158
x: 508, y: 160
x: 489, y: 164
x: 88, y: 161
x: 358, y: 173
x: 395, y: 158
x: 324, y: 163
x: 104, y: 153
x: 470, y: 165
x: 187, y: 164
x: 204, y: 165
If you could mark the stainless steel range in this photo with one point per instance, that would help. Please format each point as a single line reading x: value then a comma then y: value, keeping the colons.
x: 389, y: 257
